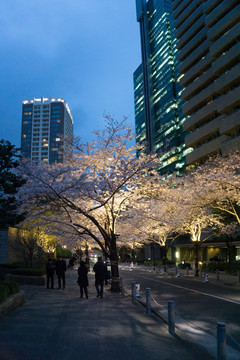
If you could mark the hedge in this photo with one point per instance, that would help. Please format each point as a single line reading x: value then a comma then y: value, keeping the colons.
x: 29, y: 271
x: 229, y: 268
x: 7, y: 288
x: 13, y: 287
x: 157, y: 262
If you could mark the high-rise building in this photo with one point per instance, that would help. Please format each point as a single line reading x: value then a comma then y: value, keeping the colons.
x: 46, y: 122
x: 157, y: 91
x: 208, y: 33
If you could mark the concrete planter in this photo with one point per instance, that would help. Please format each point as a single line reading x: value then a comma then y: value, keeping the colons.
x: 12, y: 303
x: 23, y: 279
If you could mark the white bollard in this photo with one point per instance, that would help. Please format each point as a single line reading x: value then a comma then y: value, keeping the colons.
x: 137, y: 290
x: 178, y: 274
x: 206, y: 278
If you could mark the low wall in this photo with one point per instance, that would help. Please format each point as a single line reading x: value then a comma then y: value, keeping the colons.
x: 23, y: 279
x: 12, y: 303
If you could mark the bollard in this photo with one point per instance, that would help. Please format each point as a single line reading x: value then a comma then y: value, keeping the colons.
x: 133, y: 292
x: 200, y: 273
x: 148, y: 301
x: 187, y: 271
x: 239, y: 276
x: 221, y: 341
x: 171, y: 318
x: 217, y: 272
x: 137, y: 293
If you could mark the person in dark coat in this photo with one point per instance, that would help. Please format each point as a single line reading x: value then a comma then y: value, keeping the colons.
x: 50, y: 268
x: 60, y: 271
x: 100, y: 270
x: 83, y: 279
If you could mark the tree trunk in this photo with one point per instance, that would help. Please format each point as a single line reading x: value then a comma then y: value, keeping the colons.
x: 115, y: 285
x: 196, y: 246
x: 133, y: 256
x: 164, y: 257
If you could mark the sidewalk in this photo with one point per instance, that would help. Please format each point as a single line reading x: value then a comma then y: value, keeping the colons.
x: 58, y: 325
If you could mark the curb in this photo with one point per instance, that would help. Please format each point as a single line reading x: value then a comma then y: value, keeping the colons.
x: 11, y: 303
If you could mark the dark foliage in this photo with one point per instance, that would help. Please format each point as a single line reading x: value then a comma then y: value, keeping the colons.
x: 9, y: 185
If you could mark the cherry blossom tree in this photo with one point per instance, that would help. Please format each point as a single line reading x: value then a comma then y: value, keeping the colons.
x: 196, y: 216
x: 91, y: 189
x: 217, y: 185
x: 219, y: 179
x: 154, y: 216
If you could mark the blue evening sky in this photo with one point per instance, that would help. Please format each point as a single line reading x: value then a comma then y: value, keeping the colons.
x: 84, y: 51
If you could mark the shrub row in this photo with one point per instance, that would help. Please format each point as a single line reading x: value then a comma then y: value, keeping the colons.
x: 29, y: 271
x: 7, y: 288
x: 157, y: 262
x: 185, y: 266
x: 229, y: 268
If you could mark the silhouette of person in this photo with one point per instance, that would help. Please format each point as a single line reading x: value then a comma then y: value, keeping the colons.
x: 50, y: 268
x: 60, y: 271
x: 100, y: 270
x: 83, y: 279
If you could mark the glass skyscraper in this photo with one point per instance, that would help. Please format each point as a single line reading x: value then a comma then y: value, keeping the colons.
x: 46, y: 122
x: 157, y: 92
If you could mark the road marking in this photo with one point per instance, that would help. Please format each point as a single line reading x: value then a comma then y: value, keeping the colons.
x: 200, y: 292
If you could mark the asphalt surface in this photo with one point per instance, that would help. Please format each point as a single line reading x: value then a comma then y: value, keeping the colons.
x: 58, y: 325
x: 198, y: 305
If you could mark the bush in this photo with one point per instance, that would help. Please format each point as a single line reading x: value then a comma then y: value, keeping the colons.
x: 184, y: 266
x: 151, y: 262
x: 10, y: 266
x: 229, y: 268
x: 29, y: 271
x: 12, y: 286
x: 4, y: 292
x: 158, y: 262
x: 139, y: 261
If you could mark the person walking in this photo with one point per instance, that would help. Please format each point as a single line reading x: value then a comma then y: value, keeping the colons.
x: 60, y: 271
x: 50, y: 268
x: 83, y: 279
x: 100, y: 270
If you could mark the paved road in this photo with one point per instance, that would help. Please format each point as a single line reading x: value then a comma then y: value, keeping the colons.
x: 58, y: 325
x: 200, y: 305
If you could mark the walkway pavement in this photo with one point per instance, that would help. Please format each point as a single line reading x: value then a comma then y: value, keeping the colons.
x: 58, y: 325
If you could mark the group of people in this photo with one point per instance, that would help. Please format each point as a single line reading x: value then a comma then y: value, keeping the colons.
x: 59, y: 266
x: 100, y: 270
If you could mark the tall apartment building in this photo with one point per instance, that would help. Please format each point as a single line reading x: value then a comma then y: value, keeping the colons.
x: 208, y: 33
x: 45, y: 124
x: 157, y: 91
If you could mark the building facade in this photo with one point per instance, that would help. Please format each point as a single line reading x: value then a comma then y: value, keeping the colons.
x: 46, y: 122
x: 157, y: 92
x: 208, y: 34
